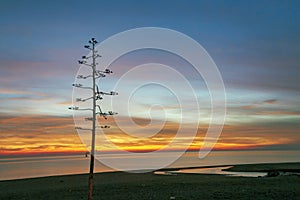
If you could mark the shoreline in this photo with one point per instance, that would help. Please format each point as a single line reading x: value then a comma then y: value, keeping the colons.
x: 255, y: 167
x: 122, y: 185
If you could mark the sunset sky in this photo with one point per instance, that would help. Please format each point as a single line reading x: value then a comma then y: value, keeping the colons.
x: 255, y: 45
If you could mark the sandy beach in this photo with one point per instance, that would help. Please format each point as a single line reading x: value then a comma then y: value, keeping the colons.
x: 120, y: 185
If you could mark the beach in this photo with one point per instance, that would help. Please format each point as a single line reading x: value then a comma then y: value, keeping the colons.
x: 122, y: 185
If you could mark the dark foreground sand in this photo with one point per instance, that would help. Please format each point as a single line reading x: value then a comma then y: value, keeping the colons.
x: 118, y: 185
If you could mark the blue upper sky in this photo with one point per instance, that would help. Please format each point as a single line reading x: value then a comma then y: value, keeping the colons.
x: 255, y: 44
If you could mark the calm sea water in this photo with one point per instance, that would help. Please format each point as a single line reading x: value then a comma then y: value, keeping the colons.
x: 28, y: 167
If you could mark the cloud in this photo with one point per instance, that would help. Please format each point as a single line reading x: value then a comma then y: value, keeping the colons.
x: 51, y: 134
x: 260, y: 104
x: 13, y: 91
x: 281, y: 113
x: 270, y: 101
x: 38, y: 134
x: 16, y: 94
x: 239, y: 136
x: 65, y: 103
x: 248, y: 106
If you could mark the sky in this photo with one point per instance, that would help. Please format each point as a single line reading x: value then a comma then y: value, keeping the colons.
x: 255, y: 45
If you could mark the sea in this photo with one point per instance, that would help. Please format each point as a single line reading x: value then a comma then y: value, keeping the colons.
x: 42, y: 166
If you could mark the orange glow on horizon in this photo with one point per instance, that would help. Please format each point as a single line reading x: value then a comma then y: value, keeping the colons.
x: 33, y: 135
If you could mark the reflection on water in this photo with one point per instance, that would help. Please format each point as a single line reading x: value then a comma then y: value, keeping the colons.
x: 219, y: 170
x: 26, y: 167
x: 29, y: 167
